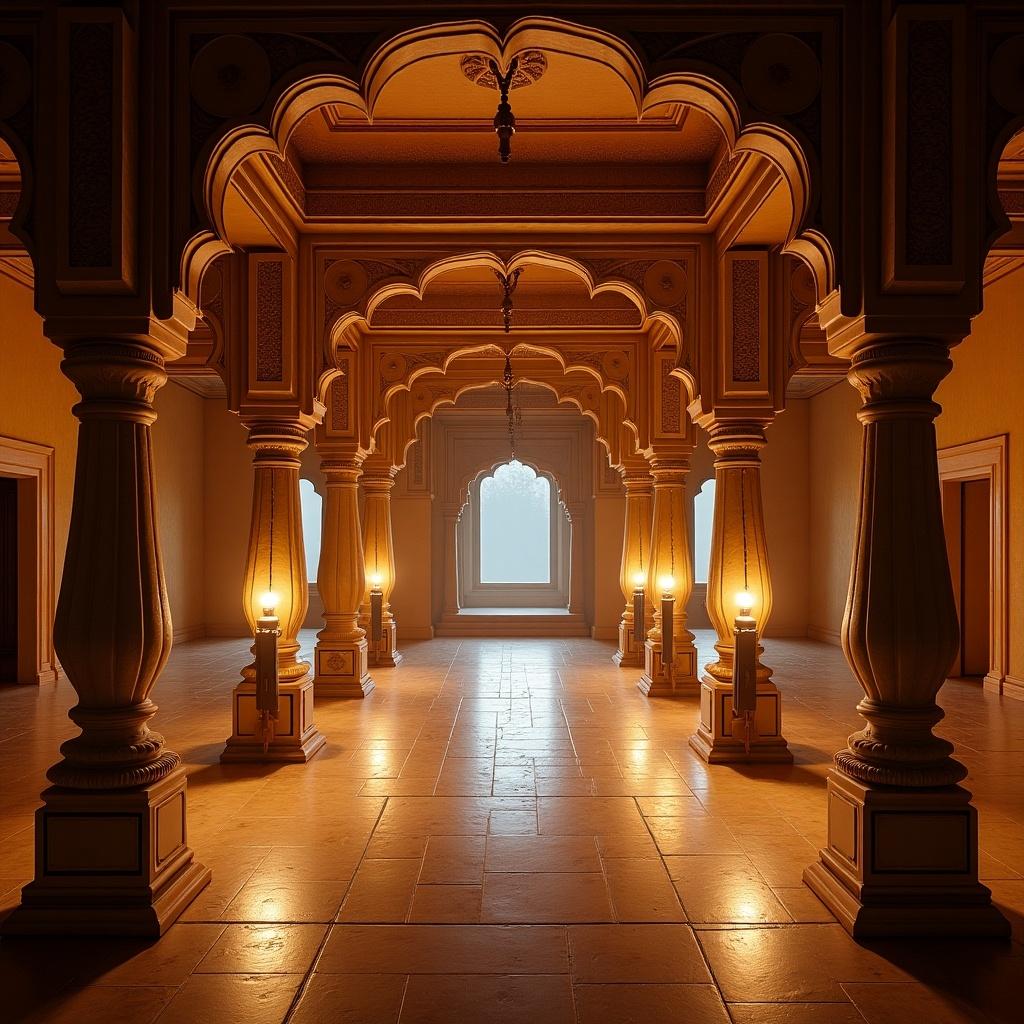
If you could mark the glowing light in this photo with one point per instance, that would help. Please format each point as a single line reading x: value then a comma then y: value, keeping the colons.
x: 268, y: 602
x: 744, y: 601
x: 667, y: 583
x: 376, y: 580
x: 639, y: 579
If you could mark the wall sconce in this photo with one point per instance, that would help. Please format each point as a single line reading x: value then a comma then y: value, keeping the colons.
x: 639, y: 583
x: 268, y: 629
x: 744, y: 665
x: 376, y: 611
x: 668, y: 606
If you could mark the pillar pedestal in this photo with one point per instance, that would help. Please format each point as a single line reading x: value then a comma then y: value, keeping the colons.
x: 636, y: 556
x: 902, y: 853
x: 721, y: 738
x: 112, y: 856
x: 276, y: 561
x: 385, y: 653
x: 110, y: 862
x: 670, y: 557
x: 904, y: 863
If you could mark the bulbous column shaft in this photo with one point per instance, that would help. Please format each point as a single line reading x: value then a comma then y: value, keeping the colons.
x: 670, y: 556
x: 902, y: 851
x: 111, y: 851
x: 379, y: 553
x: 276, y: 559
x: 739, y: 549
x: 112, y: 629
x: 636, y: 557
x: 341, y: 649
x: 900, y: 630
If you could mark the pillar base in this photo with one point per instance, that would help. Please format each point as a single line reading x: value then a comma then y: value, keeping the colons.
x: 388, y: 655
x: 655, y: 682
x: 719, y: 738
x: 342, y: 669
x: 630, y: 653
x: 296, y: 737
x: 903, y: 862
x: 110, y: 862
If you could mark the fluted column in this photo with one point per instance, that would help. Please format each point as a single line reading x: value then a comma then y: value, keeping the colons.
x: 670, y: 556
x: 574, y: 515
x: 902, y: 854
x: 111, y: 855
x: 341, y: 648
x: 636, y: 555
x: 276, y: 561
x: 379, y: 552
x: 739, y: 562
x: 451, y: 560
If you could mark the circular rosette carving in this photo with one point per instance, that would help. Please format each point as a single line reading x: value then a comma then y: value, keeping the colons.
x: 802, y: 285
x: 665, y: 283
x: 615, y: 365
x: 15, y: 81
x: 230, y: 76
x: 589, y: 397
x: 393, y: 367
x: 1007, y: 75
x: 345, y: 282
x: 780, y: 74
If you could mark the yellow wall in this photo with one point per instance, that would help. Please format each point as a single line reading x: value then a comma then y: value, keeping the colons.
x: 834, y: 439
x: 227, y: 503
x: 609, y: 522
x: 982, y: 398
x: 410, y: 600
x: 36, y: 399
x: 178, y: 442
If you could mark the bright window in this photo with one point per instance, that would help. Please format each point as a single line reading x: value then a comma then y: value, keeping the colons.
x: 312, y: 520
x: 515, y: 526
x: 703, y: 517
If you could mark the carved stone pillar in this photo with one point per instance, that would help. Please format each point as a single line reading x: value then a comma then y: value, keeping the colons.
x: 902, y: 854
x: 451, y: 560
x: 276, y: 561
x: 111, y: 852
x: 341, y: 648
x: 670, y: 556
x: 379, y: 551
x: 739, y: 562
x: 574, y: 514
x: 636, y: 556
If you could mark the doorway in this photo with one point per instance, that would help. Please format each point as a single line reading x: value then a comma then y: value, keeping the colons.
x: 8, y: 580
x: 974, y: 514
x: 966, y: 508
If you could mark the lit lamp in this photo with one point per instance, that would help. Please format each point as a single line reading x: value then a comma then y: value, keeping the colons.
x: 639, y: 582
x: 504, y: 119
x: 668, y: 606
x: 268, y: 629
x: 744, y: 665
x: 376, y: 611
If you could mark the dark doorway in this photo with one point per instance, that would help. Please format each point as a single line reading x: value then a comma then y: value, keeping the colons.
x: 967, y: 514
x: 8, y: 580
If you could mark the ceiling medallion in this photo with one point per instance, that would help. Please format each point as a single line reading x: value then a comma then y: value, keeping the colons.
x: 524, y: 69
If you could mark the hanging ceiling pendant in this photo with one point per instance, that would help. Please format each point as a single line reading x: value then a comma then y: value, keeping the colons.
x: 523, y: 69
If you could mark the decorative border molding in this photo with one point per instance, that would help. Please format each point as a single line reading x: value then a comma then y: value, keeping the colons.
x: 986, y: 459
x: 825, y: 635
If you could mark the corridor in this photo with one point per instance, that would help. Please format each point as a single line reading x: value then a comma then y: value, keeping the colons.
x: 506, y: 831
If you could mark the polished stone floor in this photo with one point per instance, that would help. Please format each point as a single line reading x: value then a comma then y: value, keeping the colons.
x: 507, y: 831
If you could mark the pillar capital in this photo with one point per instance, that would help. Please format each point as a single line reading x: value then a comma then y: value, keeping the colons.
x: 736, y: 441
x: 277, y: 440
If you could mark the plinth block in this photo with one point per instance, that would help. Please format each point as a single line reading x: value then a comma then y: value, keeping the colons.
x: 630, y: 653
x: 342, y: 669
x: 110, y: 862
x: 903, y: 862
x: 656, y: 682
x: 720, y: 737
x: 385, y: 654
x: 296, y: 737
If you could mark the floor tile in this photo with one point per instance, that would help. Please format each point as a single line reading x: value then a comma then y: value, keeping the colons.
x: 351, y: 999
x: 232, y: 999
x: 488, y: 1000
x: 542, y: 853
x: 264, y: 949
x: 652, y: 953
x: 539, y: 898
x: 649, y: 1004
